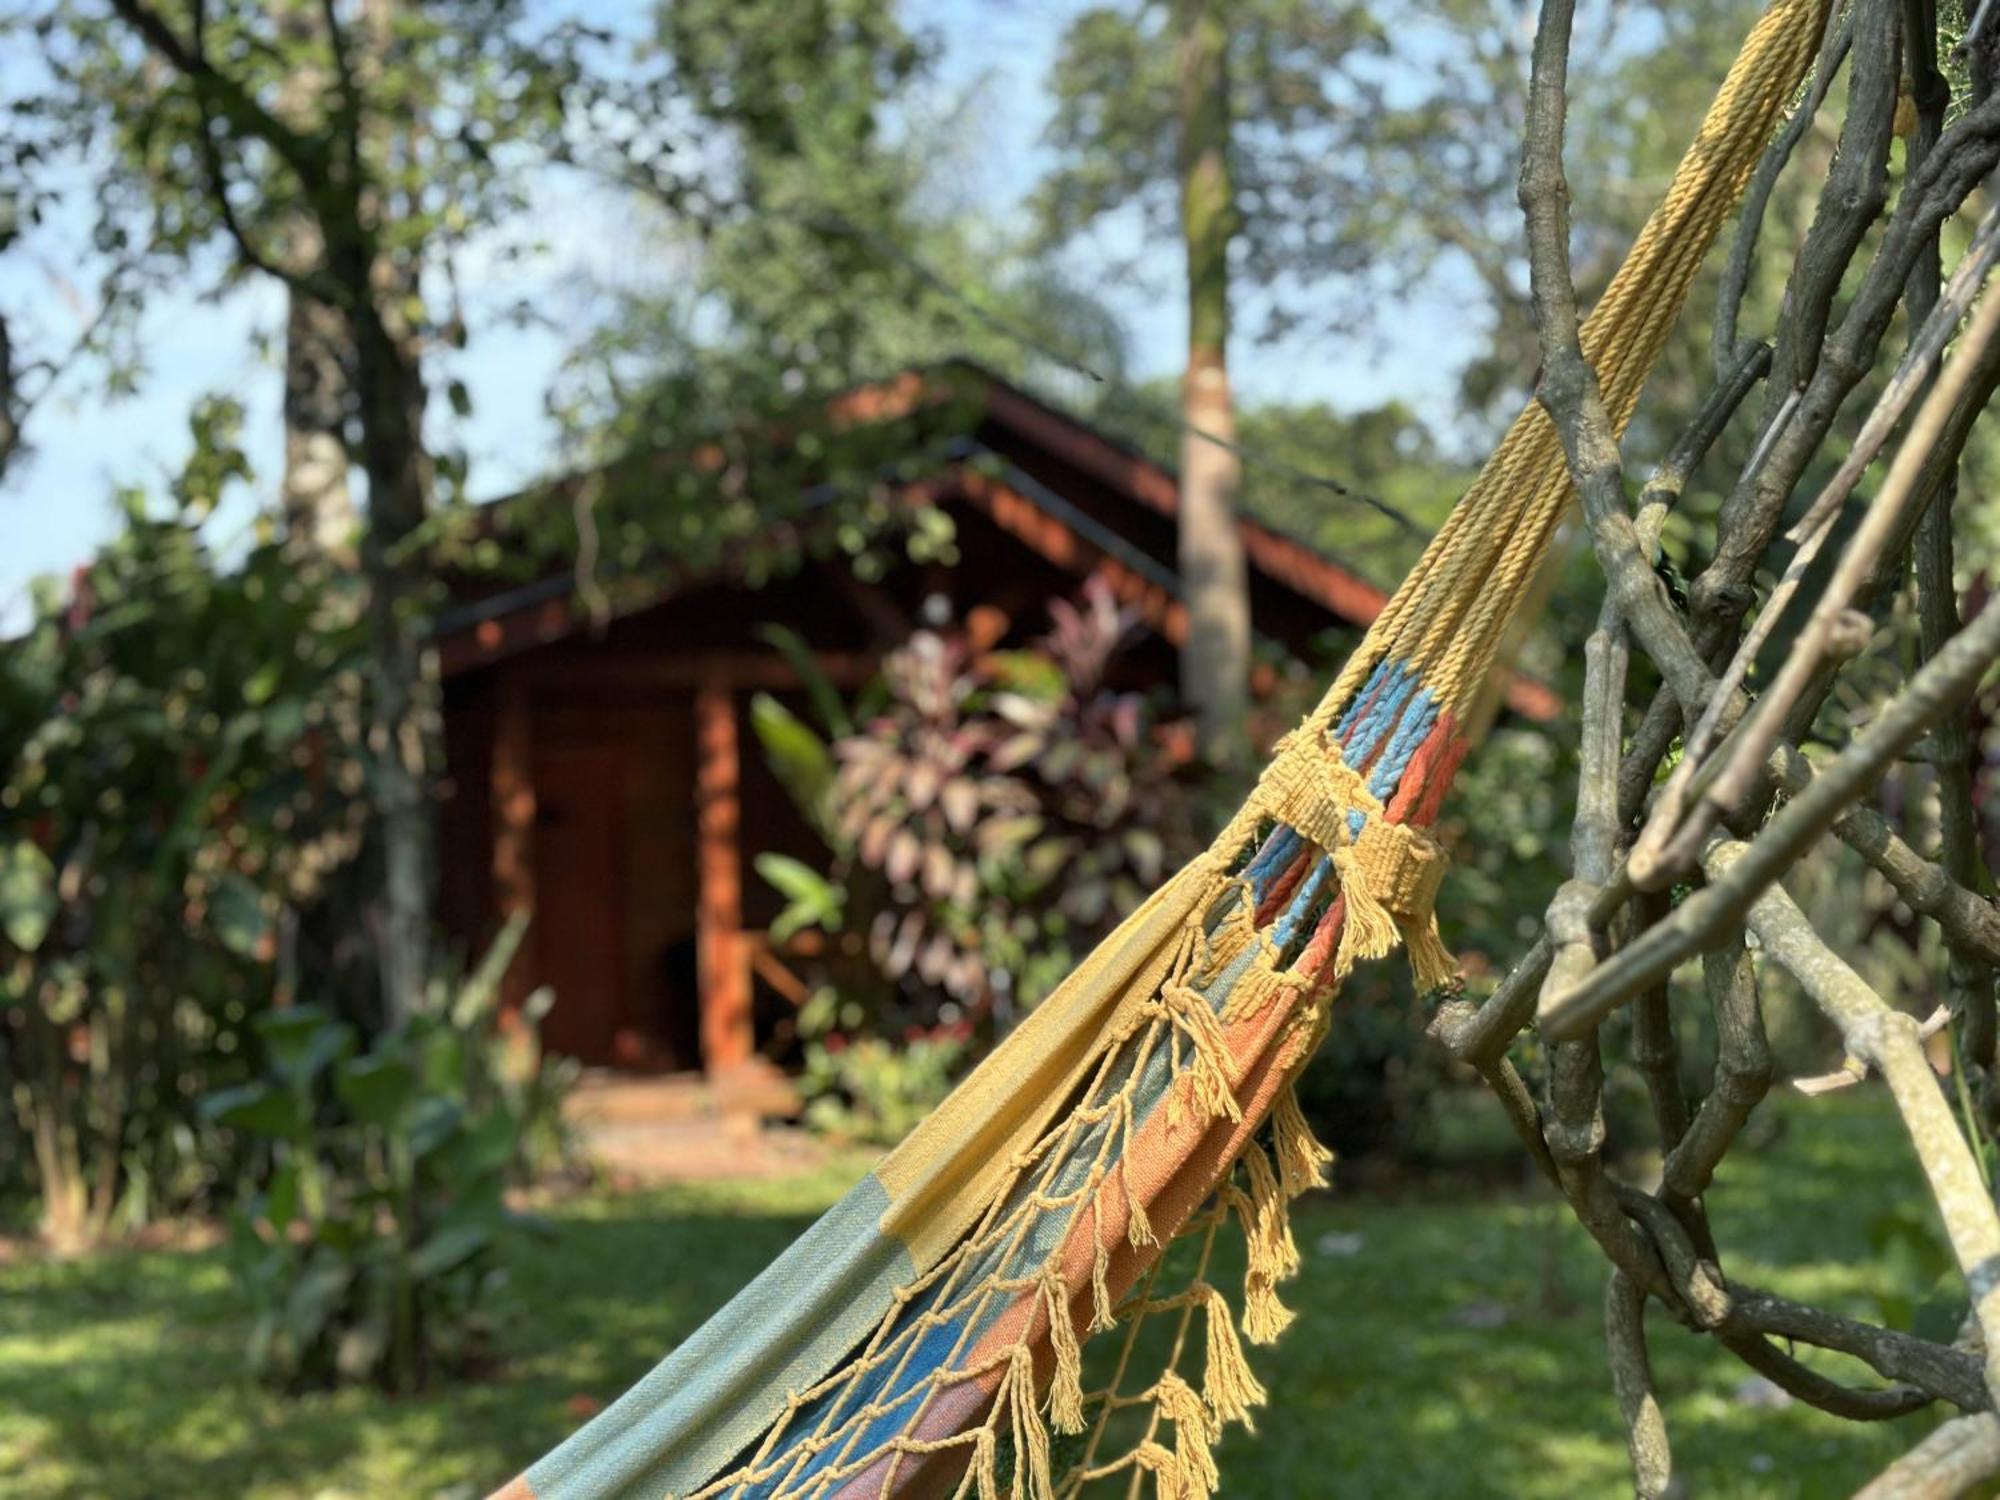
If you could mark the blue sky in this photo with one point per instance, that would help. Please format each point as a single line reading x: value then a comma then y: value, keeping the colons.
x: 57, y: 504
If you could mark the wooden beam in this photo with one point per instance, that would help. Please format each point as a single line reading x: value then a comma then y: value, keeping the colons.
x: 511, y: 793
x: 601, y: 668
x: 728, y: 1037
x: 1025, y: 521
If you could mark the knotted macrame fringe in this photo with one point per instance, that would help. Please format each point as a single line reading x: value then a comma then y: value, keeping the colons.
x: 1388, y: 872
x: 1066, y: 1387
x: 1195, y: 1431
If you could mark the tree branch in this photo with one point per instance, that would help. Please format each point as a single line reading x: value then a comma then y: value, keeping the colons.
x: 215, y: 91
x: 1667, y: 842
x: 1632, y: 1382
x: 1943, y: 683
x: 1887, y: 1041
x: 1834, y: 45
x: 1949, y: 1463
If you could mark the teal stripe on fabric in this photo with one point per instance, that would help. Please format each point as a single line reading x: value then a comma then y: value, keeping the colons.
x: 717, y: 1393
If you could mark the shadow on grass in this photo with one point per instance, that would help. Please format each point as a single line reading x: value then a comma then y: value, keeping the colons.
x: 121, y: 1376
x: 1445, y: 1346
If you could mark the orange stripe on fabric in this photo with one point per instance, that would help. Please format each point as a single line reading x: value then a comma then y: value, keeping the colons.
x: 1171, y: 1177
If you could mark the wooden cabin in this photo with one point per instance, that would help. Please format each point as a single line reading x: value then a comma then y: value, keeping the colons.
x: 601, y: 774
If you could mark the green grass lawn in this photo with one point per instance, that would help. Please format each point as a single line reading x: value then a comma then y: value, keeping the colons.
x: 1448, y: 1345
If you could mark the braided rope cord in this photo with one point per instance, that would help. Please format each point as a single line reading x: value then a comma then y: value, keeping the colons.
x: 1326, y: 864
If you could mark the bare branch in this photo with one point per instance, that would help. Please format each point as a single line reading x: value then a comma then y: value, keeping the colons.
x: 1887, y: 1041
x: 1632, y: 1381
x: 1857, y: 187
x: 1669, y: 837
x: 1951, y: 1462
x: 1951, y: 1373
x: 1742, y: 1070
x: 1834, y: 45
x: 1969, y: 922
x: 1943, y: 683
x: 1751, y: 515
x: 1808, y: 1385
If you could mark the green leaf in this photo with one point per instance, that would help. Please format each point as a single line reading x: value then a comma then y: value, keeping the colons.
x: 481, y: 990
x: 379, y: 1090
x: 301, y: 1040
x: 27, y: 894
x: 315, y: 1298
x: 433, y: 1122
x: 798, y: 757
x: 236, y: 912
x: 811, y: 900
x: 281, y: 1198
x: 259, y: 686
x: 258, y: 1109
x: 450, y: 1247
x: 833, y: 715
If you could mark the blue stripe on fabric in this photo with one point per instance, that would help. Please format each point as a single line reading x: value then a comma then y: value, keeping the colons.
x: 1273, y: 857
x: 894, y: 1389
x: 1300, y: 907
x: 1373, y: 729
x: 1375, y: 679
x: 1417, y: 722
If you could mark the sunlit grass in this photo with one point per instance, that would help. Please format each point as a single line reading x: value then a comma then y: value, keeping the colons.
x: 1448, y: 1344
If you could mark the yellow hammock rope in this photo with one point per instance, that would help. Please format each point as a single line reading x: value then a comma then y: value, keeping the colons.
x: 911, y: 1342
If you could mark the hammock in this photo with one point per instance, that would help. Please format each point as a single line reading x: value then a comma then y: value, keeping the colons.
x: 911, y: 1342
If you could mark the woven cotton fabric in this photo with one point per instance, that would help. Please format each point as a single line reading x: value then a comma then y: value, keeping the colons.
x: 926, y: 1337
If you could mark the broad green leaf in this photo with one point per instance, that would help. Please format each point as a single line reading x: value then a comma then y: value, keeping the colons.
x: 833, y: 715
x: 27, y: 894
x: 476, y: 997
x: 258, y: 1109
x: 301, y: 1040
x: 379, y: 1090
x: 315, y: 1297
x: 798, y: 757
x: 259, y: 686
x: 281, y: 1198
x: 450, y: 1247
x: 236, y: 912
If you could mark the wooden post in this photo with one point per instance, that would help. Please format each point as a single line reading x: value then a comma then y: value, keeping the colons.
x: 511, y: 791
x: 728, y: 1039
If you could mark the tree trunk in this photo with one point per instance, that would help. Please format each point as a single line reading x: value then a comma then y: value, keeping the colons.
x: 318, y: 509
x: 316, y: 504
x: 403, y: 727
x: 1215, y: 658
x: 404, y: 723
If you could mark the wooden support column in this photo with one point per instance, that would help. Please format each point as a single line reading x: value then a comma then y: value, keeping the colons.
x: 511, y: 793
x: 728, y: 1038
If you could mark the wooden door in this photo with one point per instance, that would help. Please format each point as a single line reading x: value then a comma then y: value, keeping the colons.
x: 581, y: 888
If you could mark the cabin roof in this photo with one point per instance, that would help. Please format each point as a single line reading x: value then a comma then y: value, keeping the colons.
x: 1073, y: 496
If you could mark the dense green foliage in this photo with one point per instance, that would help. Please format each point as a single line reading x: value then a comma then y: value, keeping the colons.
x: 371, y: 1251
x: 183, y: 770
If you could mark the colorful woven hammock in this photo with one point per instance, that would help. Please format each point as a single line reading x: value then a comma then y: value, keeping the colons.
x: 912, y: 1340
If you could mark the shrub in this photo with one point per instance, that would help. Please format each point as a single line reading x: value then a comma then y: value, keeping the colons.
x: 370, y: 1252
x: 180, y: 772
x: 996, y: 813
x: 873, y: 1089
